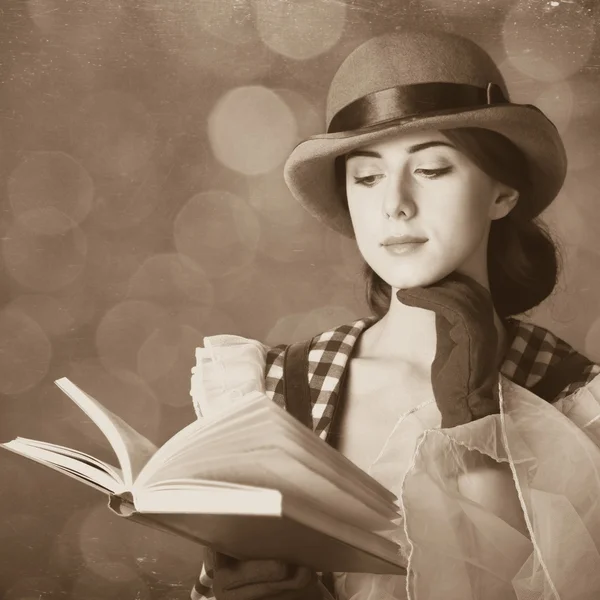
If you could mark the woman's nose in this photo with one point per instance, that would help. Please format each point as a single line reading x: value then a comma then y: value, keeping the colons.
x: 399, y: 200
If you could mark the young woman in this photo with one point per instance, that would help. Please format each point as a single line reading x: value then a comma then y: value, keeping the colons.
x: 487, y: 428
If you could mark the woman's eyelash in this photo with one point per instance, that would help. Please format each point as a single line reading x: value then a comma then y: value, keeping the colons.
x: 367, y: 180
x: 371, y: 180
x: 433, y: 173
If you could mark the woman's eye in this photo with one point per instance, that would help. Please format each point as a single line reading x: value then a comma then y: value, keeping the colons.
x: 367, y: 180
x: 433, y: 173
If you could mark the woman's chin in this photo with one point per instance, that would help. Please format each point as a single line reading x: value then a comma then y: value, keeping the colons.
x: 405, y: 281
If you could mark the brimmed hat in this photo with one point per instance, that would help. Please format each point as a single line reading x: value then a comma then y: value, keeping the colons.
x: 414, y: 81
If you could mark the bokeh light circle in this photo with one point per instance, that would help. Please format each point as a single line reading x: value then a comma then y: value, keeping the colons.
x: 102, y: 538
x: 284, y: 329
x: 124, y: 329
x: 271, y: 198
x: 114, y: 259
x: 582, y: 144
x: 557, y: 102
x: 65, y: 552
x: 159, y: 352
x: 172, y: 279
x: 308, y: 118
x: 114, y: 133
x: 549, y: 41
x: 219, y: 231
x: 251, y: 130
x: 25, y: 352
x: 116, y: 572
x: 123, y: 202
x: 322, y: 319
x: 563, y: 217
x: 301, y: 29
x: 163, y: 353
x: 576, y: 204
x: 52, y: 315
x: 53, y: 185
x: 584, y: 87
x: 215, y: 322
x: 577, y: 292
x: 166, y: 359
x: 165, y: 556
x: 344, y: 256
x: 288, y: 233
x: 126, y: 395
x: 43, y: 263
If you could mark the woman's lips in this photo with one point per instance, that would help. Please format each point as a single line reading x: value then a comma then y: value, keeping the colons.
x: 401, y: 248
x: 402, y: 244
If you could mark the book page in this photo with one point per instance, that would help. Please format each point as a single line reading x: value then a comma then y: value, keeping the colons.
x: 82, y: 467
x: 132, y: 449
x: 230, y: 427
x: 260, y: 434
x: 253, y: 528
x: 258, y: 423
x: 189, y: 439
x: 274, y: 468
x: 209, y: 497
x: 285, y: 455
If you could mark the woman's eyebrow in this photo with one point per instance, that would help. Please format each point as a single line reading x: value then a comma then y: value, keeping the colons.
x: 426, y: 145
x: 409, y: 150
x: 368, y: 153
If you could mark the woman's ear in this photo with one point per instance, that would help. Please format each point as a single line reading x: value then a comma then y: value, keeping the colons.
x: 505, y: 201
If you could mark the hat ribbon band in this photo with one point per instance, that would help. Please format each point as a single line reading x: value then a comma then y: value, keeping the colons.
x: 412, y: 100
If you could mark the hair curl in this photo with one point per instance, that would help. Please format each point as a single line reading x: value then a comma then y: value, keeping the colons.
x: 523, y: 259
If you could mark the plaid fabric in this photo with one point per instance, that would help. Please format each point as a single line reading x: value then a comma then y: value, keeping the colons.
x: 532, y: 354
x: 327, y: 360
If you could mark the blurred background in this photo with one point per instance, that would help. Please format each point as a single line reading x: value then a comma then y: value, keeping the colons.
x: 143, y: 208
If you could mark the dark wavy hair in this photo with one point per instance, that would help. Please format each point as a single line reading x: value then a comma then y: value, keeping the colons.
x: 523, y: 259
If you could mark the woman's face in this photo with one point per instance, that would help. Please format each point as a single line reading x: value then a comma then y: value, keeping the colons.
x: 421, y: 186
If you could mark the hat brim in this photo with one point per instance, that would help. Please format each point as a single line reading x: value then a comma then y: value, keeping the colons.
x: 309, y: 170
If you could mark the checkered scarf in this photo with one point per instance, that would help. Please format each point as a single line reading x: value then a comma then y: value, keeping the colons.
x: 532, y: 354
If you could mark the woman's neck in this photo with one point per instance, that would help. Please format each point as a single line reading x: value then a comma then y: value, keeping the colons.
x: 408, y: 333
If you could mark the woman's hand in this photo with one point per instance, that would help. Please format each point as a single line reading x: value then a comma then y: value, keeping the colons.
x: 464, y: 372
x: 258, y: 579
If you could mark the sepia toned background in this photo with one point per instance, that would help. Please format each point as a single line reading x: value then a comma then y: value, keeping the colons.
x: 143, y: 208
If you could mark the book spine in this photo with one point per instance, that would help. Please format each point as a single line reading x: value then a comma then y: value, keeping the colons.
x: 122, y: 504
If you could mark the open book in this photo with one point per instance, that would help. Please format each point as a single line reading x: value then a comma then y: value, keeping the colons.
x: 251, y: 482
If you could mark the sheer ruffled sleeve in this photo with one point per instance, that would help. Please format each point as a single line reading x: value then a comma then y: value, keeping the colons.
x: 554, y: 457
x: 227, y: 367
x: 583, y: 409
x: 458, y: 549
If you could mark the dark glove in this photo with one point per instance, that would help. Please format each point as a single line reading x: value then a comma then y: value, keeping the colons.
x: 258, y: 579
x: 464, y: 372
